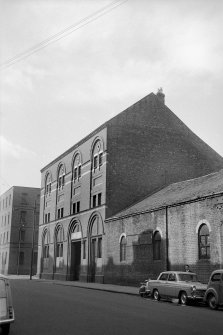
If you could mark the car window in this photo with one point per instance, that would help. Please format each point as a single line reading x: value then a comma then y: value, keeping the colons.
x: 164, y: 276
x: 187, y: 277
x: 172, y: 277
x: 2, y: 288
x: 216, y: 277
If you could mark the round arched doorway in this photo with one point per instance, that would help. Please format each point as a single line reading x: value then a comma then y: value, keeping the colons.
x: 74, y: 261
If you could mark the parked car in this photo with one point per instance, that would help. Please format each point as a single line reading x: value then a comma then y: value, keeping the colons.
x: 6, y: 307
x: 214, y: 294
x: 176, y: 285
x: 142, y: 288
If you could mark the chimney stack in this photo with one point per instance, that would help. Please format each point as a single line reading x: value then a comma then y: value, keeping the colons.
x: 161, y: 95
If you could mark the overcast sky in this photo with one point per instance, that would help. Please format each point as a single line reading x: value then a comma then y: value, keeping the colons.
x: 59, y: 94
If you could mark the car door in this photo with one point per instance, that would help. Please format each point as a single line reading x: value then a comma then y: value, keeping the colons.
x: 162, y: 284
x: 171, y: 285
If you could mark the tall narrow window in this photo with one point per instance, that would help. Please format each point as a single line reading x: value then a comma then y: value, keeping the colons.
x: 204, y: 242
x: 99, y: 247
x: 157, y: 246
x: 97, y: 156
x: 95, y: 162
x: 123, y: 249
x: 59, y: 246
x: 84, y: 249
x: 46, y: 250
x: 94, y: 200
x: 99, y: 199
x: 77, y: 168
x: 61, y: 178
x: 48, y: 185
x: 100, y: 158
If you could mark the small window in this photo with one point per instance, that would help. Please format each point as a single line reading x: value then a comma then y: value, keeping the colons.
x: 123, y: 249
x: 100, y: 159
x: 94, y: 200
x: 78, y: 206
x: 75, y: 173
x: 74, y: 207
x: 157, y: 246
x: 61, y: 178
x: 203, y: 241
x: 59, y: 246
x: 99, y: 199
x: 61, y: 212
x: 99, y: 247
x: 79, y: 171
x: 84, y: 249
x: 48, y: 217
x: 95, y: 162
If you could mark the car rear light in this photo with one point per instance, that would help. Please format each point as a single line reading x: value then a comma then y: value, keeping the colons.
x: 11, y: 313
x: 3, y: 308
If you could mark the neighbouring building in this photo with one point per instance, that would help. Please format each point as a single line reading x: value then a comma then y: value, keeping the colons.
x: 133, y: 155
x: 19, y: 227
x: 181, y: 224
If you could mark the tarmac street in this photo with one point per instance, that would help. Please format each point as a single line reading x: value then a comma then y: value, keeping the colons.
x: 53, y: 308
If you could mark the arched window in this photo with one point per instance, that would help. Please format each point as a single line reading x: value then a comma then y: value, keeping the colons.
x: 48, y: 185
x: 46, y: 249
x: 123, y: 244
x: 96, y: 238
x: 61, y: 178
x: 157, y: 246
x: 46, y: 246
x: 203, y: 242
x: 59, y: 243
x: 97, y: 156
x: 77, y: 168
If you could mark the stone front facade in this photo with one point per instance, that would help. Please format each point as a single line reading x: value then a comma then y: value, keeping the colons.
x: 129, y: 157
x: 19, y: 227
x: 188, y: 218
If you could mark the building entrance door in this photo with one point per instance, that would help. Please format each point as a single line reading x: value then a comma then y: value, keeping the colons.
x: 75, y: 260
x: 93, y: 258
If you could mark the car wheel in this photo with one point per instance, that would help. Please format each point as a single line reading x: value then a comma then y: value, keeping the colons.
x: 5, y: 329
x: 156, y: 295
x: 183, y: 298
x: 212, y: 301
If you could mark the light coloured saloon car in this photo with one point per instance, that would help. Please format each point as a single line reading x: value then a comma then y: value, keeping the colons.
x: 214, y: 294
x: 183, y: 286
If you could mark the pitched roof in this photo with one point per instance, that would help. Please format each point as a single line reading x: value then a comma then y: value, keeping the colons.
x: 177, y: 193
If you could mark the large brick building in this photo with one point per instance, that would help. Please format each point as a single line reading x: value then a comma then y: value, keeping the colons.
x: 181, y: 224
x: 19, y: 227
x: 136, y: 153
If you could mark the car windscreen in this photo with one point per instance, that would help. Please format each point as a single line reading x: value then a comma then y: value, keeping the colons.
x: 187, y: 277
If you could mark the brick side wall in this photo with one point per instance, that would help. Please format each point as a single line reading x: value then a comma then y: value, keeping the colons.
x: 183, y: 224
x: 149, y: 148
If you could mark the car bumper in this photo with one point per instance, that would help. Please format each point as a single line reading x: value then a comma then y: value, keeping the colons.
x: 2, y: 322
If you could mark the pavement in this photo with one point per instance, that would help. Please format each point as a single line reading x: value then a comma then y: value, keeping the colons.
x: 91, y: 286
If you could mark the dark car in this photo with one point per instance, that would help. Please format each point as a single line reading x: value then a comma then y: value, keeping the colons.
x: 214, y: 294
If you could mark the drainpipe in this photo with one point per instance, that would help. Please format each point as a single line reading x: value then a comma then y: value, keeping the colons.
x: 167, y: 240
